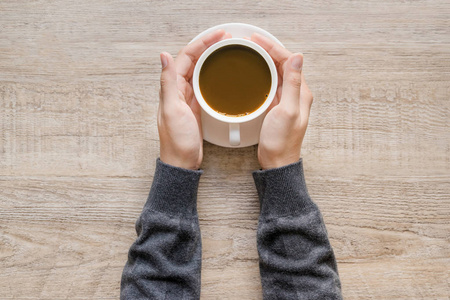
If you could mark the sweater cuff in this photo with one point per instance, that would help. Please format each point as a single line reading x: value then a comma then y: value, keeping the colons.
x: 282, y: 191
x: 174, y: 190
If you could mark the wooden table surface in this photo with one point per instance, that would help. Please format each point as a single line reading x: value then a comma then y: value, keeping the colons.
x: 78, y: 141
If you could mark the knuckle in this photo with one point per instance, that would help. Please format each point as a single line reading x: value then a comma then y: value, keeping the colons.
x: 289, y: 113
x: 295, y: 79
x: 173, y: 111
x: 163, y: 81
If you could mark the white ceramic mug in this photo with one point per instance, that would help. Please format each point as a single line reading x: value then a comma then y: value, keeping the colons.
x: 234, y: 123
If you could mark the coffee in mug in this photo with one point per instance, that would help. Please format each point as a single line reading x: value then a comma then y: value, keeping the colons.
x: 235, y: 80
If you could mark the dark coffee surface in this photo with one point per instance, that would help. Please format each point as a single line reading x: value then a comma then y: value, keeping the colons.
x: 235, y: 80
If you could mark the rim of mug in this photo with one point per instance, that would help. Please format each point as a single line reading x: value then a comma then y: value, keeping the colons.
x: 233, y: 119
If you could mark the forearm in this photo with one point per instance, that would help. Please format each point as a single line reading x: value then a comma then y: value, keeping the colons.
x: 165, y: 260
x: 296, y: 258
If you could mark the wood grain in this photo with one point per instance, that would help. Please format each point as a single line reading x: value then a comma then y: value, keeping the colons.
x: 78, y: 143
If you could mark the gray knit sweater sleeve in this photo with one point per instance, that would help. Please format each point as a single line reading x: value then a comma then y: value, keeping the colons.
x: 165, y: 260
x: 296, y: 258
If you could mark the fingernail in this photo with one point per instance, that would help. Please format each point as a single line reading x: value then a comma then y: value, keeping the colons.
x: 163, y: 60
x: 297, y: 62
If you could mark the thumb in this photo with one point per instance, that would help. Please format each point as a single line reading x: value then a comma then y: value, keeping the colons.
x: 292, y: 81
x: 169, y: 87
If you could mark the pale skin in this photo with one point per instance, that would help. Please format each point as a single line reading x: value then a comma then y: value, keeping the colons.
x: 179, y: 122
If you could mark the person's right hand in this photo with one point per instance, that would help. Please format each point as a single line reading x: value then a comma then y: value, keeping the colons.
x: 285, y: 124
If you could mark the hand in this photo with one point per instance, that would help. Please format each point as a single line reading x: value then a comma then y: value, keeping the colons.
x: 285, y: 124
x: 179, y: 122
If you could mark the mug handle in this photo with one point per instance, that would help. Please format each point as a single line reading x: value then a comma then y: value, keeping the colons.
x: 235, y: 134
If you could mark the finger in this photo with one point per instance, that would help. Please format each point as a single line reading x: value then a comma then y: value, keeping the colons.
x: 196, y: 109
x: 189, y: 93
x: 278, y: 53
x: 306, y: 100
x: 187, y: 57
x: 306, y: 97
x: 184, y: 86
x: 274, y: 103
x: 280, y: 86
x: 227, y: 36
x: 168, y: 80
x: 292, y: 82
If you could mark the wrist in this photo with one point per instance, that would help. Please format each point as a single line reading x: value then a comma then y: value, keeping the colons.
x: 277, y: 162
x: 180, y: 162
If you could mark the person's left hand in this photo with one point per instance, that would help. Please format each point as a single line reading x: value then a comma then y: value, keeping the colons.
x: 179, y: 122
